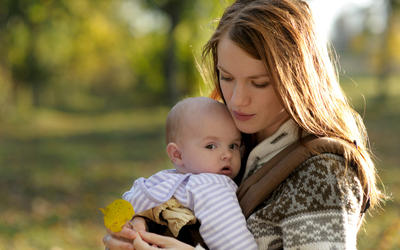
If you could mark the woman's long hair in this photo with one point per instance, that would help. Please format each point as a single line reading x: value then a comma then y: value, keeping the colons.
x: 280, y: 33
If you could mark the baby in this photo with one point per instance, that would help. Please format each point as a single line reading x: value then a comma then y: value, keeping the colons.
x: 204, y: 146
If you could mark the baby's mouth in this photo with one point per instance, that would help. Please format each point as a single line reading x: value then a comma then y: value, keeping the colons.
x: 226, y: 170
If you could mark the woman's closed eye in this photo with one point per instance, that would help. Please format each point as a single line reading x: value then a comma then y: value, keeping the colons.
x: 255, y: 84
x: 225, y: 78
x: 259, y: 84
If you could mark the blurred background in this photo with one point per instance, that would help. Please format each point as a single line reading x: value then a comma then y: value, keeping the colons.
x: 85, y: 87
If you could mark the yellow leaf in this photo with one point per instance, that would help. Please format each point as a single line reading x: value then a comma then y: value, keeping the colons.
x: 116, y: 214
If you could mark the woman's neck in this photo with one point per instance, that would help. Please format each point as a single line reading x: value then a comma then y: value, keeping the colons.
x: 270, y: 130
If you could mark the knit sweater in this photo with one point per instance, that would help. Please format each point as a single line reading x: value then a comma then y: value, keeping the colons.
x: 316, y: 207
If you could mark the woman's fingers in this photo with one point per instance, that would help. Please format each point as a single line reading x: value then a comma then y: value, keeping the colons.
x: 155, y: 239
x: 123, y: 240
x: 160, y: 241
x: 113, y: 243
x: 127, y: 233
x: 140, y: 244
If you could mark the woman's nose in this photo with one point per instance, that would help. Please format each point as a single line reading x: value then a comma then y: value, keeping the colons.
x: 239, y: 96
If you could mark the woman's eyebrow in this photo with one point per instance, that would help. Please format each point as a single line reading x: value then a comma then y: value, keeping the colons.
x: 221, y: 68
x: 250, y: 77
x: 259, y: 76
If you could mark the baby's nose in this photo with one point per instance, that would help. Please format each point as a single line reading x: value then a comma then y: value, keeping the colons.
x: 227, y: 154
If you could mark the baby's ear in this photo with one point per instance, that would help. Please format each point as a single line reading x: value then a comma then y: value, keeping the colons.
x: 174, y: 153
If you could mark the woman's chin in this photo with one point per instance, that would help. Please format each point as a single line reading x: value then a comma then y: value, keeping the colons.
x: 245, y: 128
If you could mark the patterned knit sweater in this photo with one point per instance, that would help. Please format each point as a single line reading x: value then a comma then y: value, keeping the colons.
x: 316, y: 207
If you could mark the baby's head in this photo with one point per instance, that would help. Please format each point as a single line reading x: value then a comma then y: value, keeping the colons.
x: 202, y: 137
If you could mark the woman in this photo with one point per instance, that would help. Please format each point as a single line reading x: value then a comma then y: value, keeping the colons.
x: 279, y: 85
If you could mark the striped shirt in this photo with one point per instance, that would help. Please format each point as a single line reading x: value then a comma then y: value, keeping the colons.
x: 212, y: 198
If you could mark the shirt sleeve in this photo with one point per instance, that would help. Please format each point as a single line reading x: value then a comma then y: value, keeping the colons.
x: 154, y: 191
x: 223, y: 225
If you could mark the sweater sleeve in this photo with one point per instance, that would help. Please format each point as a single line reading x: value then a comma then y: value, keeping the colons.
x: 316, y: 207
x: 223, y: 225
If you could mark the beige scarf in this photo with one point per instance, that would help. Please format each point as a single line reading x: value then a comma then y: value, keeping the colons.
x: 268, y: 148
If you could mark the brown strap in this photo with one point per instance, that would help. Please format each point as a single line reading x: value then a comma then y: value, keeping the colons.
x: 256, y: 189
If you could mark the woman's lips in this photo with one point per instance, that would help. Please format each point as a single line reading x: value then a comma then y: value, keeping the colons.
x: 242, y: 116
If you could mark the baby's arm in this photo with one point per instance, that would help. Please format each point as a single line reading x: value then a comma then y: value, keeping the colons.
x: 152, y: 199
x: 223, y: 226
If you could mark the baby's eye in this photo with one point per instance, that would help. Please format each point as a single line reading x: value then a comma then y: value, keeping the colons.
x: 234, y: 146
x: 211, y: 146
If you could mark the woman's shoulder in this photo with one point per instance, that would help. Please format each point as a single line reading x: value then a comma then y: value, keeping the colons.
x: 322, y: 161
x: 320, y: 183
x: 325, y: 166
x: 327, y: 182
x: 328, y: 166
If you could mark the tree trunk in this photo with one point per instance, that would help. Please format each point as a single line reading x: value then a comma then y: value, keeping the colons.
x: 174, y: 10
x: 170, y: 70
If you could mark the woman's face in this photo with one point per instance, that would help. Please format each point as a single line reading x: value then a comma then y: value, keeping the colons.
x: 248, y: 91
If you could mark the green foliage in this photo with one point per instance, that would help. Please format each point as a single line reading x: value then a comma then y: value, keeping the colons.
x: 94, y: 55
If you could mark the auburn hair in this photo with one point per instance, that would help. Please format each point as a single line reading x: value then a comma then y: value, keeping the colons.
x: 281, y: 34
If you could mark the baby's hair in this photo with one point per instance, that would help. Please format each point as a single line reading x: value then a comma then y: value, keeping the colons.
x: 189, y: 106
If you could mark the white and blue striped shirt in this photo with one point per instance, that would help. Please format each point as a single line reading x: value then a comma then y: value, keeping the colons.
x: 212, y: 198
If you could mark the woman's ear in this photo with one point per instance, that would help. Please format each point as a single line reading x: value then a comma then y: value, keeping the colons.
x: 174, y: 154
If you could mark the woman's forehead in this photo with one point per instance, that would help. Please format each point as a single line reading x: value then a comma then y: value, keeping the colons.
x: 234, y: 60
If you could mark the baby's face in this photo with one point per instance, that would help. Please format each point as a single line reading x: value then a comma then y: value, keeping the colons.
x: 210, y: 143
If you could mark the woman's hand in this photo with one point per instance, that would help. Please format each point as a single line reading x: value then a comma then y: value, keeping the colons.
x: 123, y: 239
x: 150, y: 241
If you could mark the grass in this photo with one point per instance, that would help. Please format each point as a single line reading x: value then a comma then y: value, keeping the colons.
x: 58, y: 168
